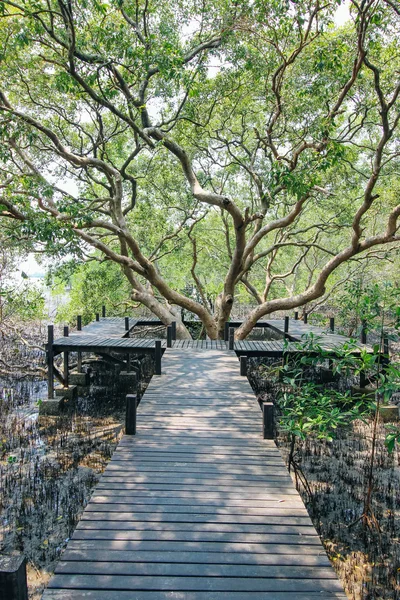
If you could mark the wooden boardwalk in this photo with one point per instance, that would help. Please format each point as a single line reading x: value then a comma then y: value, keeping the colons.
x: 196, y: 506
x: 111, y: 334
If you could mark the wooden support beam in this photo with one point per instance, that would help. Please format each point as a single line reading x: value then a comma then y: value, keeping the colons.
x: 286, y: 325
x: 130, y: 414
x: 79, y: 328
x: 243, y: 366
x: 305, y: 318
x: 332, y: 324
x: 386, y: 346
x: 103, y: 311
x: 66, y: 357
x: 97, y: 316
x: 157, y: 357
x: 13, y: 584
x: 363, y: 379
x: 79, y: 363
x: 268, y: 420
x: 296, y: 316
x: 363, y: 331
x: 231, y: 338
x: 50, y: 362
x: 169, y: 336
x: 226, y: 331
x: 173, y: 328
x: 126, y: 323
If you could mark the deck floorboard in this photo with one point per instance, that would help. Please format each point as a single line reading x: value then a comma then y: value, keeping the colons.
x: 196, y: 506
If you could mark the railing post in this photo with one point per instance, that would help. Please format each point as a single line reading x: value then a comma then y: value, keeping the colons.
x: 173, y: 329
x: 97, y: 316
x: 13, y: 584
x: 169, y: 336
x: 332, y: 324
x: 363, y: 331
x: 305, y: 318
x: 386, y: 346
x: 296, y: 316
x: 231, y: 338
x: 50, y: 363
x: 226, y: 331
x: 126, y: 323
x: 103, y: 311
x: 79, y: 328
x: 286, y: 325
x: 243, y: 366
x: 66, y: 355
x: 386, y: 354
x: 130, y: 414
x: 157, y: 357
x: 268, y: 420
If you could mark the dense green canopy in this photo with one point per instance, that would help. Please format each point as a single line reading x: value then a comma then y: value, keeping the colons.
x: 212, y: 150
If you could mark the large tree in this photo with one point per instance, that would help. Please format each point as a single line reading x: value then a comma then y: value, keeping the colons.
x: 250, y: 144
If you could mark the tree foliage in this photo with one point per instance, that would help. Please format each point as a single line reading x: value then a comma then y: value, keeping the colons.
x: 208, y: 149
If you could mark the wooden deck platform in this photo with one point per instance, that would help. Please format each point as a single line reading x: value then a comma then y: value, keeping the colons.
x: 196, y: 506
x: 112, y: 334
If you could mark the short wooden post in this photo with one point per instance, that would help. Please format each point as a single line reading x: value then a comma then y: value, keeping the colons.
x: 103, y: 311
x: 226, y: 331
x: 97, y: 316
x: 231, y: 338
x: 286, y: 325
x: 157, y: 357
x: 13, y: 584
x: 363, y: 379
x: 363, y: 331
x: 305, y: 318
x: 385, y: 359
x: 66, y: 356
x: 243, y: 366
x: 50, y: 363
x: 79, y: 363
x: 173, y: 328
x: 268, y: 420
x: 296, y: 316
x: 169, y: 336
x: 126, y: 323
x: 332, y: 324
x: 130, y: 414
x: 386, y: 346
x: 79, y: 327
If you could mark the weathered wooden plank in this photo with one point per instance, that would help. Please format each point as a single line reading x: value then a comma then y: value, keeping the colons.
x: 146, y: 595
x: 222, y: 558
x: 266, y: 528
x: 193, y: 570
x: 125, y: 503
x: 159, y: 517
x: 112, y: 512
x: 233, y: 493
x: 208, y: 584
x: 238, y: 476
x: 260, y: 540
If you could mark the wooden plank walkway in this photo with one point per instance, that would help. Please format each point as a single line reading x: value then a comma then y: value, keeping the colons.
x: 196, y: 506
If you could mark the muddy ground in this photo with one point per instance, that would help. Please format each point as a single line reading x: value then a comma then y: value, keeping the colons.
x: 48, y: 465
x: 366, y: 558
